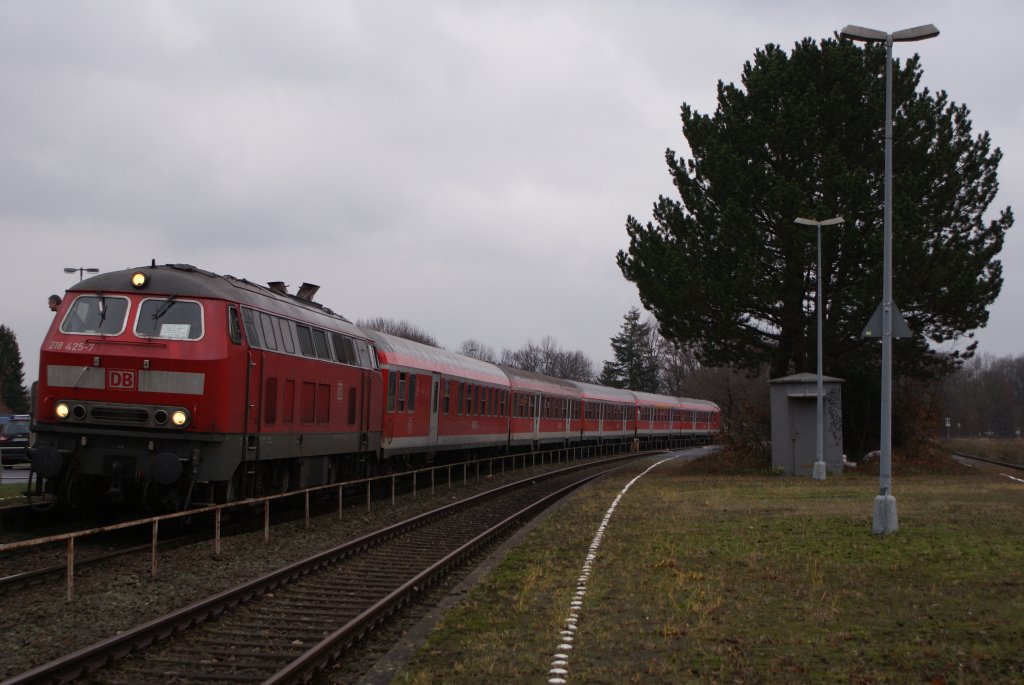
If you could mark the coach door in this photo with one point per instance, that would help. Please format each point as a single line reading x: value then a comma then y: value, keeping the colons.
x: 435, y: 395
x: 538, y: 409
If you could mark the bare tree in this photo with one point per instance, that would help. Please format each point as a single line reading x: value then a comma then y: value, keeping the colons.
x: 529, y: 357
x: 677, y: 364
x: 478, y: 350
x: 400, y: 328
x: 550, y: 359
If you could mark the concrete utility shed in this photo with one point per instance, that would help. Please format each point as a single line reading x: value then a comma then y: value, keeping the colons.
x: 794, y: 412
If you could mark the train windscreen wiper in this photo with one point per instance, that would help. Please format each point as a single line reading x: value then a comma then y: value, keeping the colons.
x: 164, y: 307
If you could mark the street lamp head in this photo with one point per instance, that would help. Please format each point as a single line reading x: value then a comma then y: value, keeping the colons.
x: 814, y: 222
x: 70, y: 269
x: 860, y: 33
x: 917, y: 33
x: 905, y: 36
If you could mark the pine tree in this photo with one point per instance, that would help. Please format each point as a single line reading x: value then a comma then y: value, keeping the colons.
x: 636, y: 351
x: 726, y: 271
x: 12, y: 373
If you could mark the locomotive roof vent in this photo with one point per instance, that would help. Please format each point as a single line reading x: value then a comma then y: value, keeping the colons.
x: 278, y: 287
x: 307, y: 291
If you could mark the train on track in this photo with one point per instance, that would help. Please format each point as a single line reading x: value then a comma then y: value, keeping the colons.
x: 171, y: 387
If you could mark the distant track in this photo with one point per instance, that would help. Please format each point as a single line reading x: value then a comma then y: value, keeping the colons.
x: 994, y: 462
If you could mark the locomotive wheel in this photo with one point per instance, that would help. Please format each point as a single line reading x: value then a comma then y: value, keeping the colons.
x: 40, y: 500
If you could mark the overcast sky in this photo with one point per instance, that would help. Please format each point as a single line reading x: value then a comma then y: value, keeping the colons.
x: 467, y: 166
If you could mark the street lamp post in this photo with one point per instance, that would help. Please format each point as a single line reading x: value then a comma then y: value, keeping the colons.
x: 885, y: 519
x: 819, y: 463
x: 81, y: 270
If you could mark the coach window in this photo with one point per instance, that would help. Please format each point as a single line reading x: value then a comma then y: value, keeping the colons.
x: 412, y: 392
x: 400, y: 403
x: 267, y: 328
x: 460, y: 399
x: 166, y: 318
x: 447, y: 395
x: 469, y: 399
x: 392, y: 381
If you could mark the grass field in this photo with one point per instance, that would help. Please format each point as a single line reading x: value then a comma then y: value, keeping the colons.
x: 709, y: 578
x: 11, y: 489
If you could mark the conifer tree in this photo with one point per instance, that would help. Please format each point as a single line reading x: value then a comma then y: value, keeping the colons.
x: 726, y: 272
x: 12, y: 373
x: 636, y: 362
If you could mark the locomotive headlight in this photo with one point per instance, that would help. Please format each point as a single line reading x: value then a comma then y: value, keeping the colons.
x: 139, y: 280
x: 61, y: 410
x: 179, y: 417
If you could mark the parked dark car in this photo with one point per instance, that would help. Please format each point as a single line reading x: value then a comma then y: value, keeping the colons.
x: 14, y: 441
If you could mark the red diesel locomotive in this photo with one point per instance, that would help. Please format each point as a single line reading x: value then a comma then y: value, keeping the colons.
x: 169, y: 386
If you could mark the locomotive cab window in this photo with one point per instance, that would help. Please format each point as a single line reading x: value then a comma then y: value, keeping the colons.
x: 234, y: 326
x: 252, y: 333
x: 169, y: 319
x: 96, y: 314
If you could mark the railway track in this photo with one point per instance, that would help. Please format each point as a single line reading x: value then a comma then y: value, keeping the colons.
x: 40, y: 564
x: 285, y: 626
x: 993, y: 462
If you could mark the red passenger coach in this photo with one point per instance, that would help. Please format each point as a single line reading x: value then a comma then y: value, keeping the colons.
x: 658, y: 416
x: 545, y: 410
x: 701, y: 420
x: 176, y: 386
x: 438, y: 400
x: 609, y: 414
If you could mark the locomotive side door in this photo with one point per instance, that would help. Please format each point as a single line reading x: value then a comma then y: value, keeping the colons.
x: 251, y: 438
x: 253, y: 402
x: 435, y: 392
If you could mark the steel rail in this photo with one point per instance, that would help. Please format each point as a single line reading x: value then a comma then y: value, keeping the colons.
x: 330, y: 648
x: 1018, y: 467
x: 100, y: 654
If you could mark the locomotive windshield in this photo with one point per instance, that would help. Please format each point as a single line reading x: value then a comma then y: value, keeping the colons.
x: 170, y: 319
x: 96, y: 314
